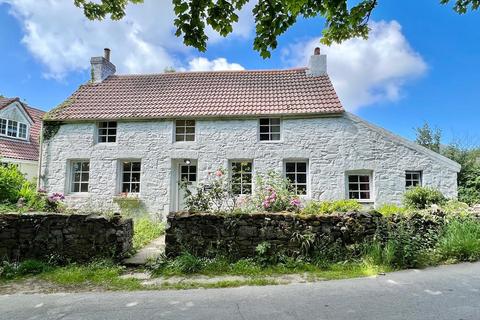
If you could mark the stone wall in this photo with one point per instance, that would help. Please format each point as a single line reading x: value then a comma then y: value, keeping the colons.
x: 69, y: 237
x: 239, y: 235
x: 332, y: 146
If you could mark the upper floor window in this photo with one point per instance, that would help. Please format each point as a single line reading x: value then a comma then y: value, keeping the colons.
x: 413, y: 178
x: 131, y: 171
x: 13, y: 129
x: 107, y: 132
x: 270, y: 129
x: 296, y: 173
x: 185, y: 130
x: 359, y: 186
x: 241, y: 177
x: 80, y: 176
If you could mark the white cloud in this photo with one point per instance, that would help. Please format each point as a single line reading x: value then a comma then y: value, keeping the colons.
x: 366, y: 71
x: 203, y: 64
x: 63, y: 40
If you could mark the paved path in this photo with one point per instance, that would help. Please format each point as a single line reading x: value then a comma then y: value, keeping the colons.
x: 444, y: 293
x: 150, y: 251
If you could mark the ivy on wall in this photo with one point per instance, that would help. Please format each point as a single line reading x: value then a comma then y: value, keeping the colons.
x: 50, y: 129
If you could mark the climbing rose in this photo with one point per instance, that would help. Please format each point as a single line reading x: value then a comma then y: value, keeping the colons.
x: 218, y: 173
x: 295, y: 202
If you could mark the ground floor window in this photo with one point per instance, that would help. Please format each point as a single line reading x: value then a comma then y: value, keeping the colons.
x: 413, y: 178
x: 131, y: 172
x: 296, y: 173
x: 241, y: 177
x: 80, y: 176
x: 359, y: 186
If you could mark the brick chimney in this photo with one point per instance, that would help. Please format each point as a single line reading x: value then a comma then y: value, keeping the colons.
x: 102, y: 67
x: 317, y: 66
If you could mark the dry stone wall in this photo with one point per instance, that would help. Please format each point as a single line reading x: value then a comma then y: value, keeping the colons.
x: 68, y: 237
x: 239, y: 235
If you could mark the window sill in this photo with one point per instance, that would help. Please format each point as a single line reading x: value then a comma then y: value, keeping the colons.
x: 270, y: 141
x: 78, y: 194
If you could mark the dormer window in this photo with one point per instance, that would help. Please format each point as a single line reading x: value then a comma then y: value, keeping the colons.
x: 107, y: 132
x: 13, y: 129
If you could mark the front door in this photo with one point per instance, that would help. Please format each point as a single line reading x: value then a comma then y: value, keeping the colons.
x: 187, y: 175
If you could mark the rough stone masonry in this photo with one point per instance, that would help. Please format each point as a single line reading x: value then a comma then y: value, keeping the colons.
x: 239, y: 235
x: 67, y: 237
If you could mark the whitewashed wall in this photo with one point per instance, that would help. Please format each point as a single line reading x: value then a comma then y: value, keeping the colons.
x: 332, y: 146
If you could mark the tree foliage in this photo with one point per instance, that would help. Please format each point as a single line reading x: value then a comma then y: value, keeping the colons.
x: 272, y: 17
x: 428, y: 137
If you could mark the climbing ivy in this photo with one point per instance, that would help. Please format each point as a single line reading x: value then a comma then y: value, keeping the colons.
x: 50, y: 129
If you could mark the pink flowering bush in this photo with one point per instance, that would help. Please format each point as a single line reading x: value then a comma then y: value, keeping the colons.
x: 273, y: 193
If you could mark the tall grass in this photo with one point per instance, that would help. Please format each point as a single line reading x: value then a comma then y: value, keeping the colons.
x: 461, y: 240
x: 145, y: 230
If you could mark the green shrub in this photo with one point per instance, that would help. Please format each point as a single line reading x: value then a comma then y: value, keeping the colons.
x: 390, y: 209
x: 422, y: 197
x: 188, y: 263
x: 326, y: 207
x: 461, y: 240
x: 11, y: 182
x: 145, y: 230
x: 10, y: 270
x: 456, y: 208
x: 274, y: 193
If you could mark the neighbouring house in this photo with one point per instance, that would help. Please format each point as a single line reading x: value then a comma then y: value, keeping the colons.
x: 20, y: 127
x: 143, y: 134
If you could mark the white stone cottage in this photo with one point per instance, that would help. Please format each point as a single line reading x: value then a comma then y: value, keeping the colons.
x: 144, y: 133
x: 20, y: 127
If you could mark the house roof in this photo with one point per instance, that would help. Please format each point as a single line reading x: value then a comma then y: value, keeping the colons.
x: 18, y: 149
x: 201, y: 94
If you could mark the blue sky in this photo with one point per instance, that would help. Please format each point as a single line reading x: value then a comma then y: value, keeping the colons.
x: 422, y: 62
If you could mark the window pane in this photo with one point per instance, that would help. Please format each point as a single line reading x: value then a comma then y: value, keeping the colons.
x: 180, y: 123
x: 85, y: 176
x: 190, y: 138
x: 264, y: 122
x: 275, y: 137
x: 364, y: 195
x: 84, y: 187
x: 247, y: 189
x: 102, y: 139
x: 264, y: 136
x: 180, y: 130
x: 275, y: 121
x: 352, y: 178
x: 365, y: 186
x: 275, y: 129
x: 290, y: 166
x: 111, y: 139
x: 354, y: 195
x: 126, y: 166
x: 136, y: 166
x: 135, y: 177
x: 76, y: 187
x: 102, y: 132
x: 301, y: 167
x: 184, y: 169
x: 125, y: 187
x: 126, y: 177
x: 264, y: 129
x: 247, y: 178
x: 179, y: 137
x: 192, y: 177
x: 190, y: 123
x: 353, y: 187
x: 301, y: 178
x: 291, y: 177
x: 135, y: 187
x: 302, y: 189
x: 364, y: 178
x: 85, y: 166
x: 190, y: 129
x: 76, y: 176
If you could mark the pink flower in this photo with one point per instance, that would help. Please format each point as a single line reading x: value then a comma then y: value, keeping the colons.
x: 219, y: 173
x: 295, y: 202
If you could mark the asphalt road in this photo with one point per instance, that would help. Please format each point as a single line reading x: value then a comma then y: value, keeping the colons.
x: 448, y: 292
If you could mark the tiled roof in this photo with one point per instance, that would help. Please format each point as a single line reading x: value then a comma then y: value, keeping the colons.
x: 18, y: 149
x: 202, y: 94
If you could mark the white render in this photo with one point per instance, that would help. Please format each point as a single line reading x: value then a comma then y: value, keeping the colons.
x: 332, y: 145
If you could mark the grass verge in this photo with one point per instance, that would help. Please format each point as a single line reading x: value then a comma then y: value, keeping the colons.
x: 145, y: 231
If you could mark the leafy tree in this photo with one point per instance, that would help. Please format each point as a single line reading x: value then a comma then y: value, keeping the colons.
x: 272, y: 17
x: 428, y: 137
x: 469, y: 175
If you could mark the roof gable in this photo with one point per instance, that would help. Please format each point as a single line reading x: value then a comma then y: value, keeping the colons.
x: 201, y: 94
x: 15, y: 110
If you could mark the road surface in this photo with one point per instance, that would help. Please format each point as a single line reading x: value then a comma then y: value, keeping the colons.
x: 447, y: 292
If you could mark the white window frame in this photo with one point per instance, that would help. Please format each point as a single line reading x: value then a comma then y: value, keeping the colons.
x: 269, y: 126
x: 72, y: 181
x: 122, y: 171
x: 295, y: 184
x: 370, y: 190
x: 109, y: 129
x: 6, y: 123
x: 411, y: 180
x: 242, y: 183
x: 184, y: 134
